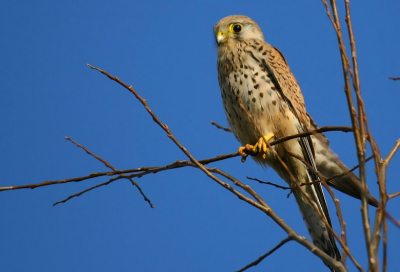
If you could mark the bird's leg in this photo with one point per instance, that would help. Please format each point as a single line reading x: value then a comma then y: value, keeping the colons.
x: 260, y: 148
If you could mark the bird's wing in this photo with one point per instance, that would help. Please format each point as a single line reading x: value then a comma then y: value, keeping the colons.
x: 289, y: 89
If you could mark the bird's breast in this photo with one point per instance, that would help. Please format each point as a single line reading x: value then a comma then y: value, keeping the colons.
x: 252, y: 103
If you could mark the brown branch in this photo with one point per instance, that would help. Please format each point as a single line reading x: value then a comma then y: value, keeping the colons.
x: 393, y: 195
x: 221, y: 127
x: 312, y: 132
x: 256, y: 262
x: 141, y: 171
x: 285, y: 187
x: 87, y: 190
x: 270, y: 183
x: 392, y: 152
x: 91, y: 153
x: 394, y: 78
x: 249, y: 149
x: 385, y: 259
x: 381, y: 214
x: 177, y: 164
x: 52, y: 182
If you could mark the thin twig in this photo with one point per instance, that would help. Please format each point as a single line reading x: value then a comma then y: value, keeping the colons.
x: 312, y: 132
x: 270, y: 183
x: 392, y: 152
x: 393, y: 195
x: 285, y: 187
x: 221, y: 127
x: 87, y: 190
x: 91, y: 153
x: 381, y: 214
x: 256, y: 262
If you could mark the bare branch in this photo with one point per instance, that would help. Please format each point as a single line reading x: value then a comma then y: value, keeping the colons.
x: 312, y: 132
x: 393, y: 195
x: 177, y: 164
x: 392, y: 152
x: 273, y: 184
x: 221, y: 127
x: 87, y: 190
x: 92, y: 154
x: 285, y: 187
x: 385, y: 259
x: 256, y: 262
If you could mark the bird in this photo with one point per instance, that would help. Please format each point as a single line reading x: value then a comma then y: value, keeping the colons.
x: 263, y: 101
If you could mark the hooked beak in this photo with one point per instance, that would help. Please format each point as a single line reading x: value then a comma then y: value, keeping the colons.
x: 221, y: 37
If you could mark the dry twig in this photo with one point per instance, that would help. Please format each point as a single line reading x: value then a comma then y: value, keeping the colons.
x: 256, y: 262
x: 220, y: 127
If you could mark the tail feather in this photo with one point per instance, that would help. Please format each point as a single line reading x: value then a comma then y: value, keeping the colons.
x: 319, y: 233
x: 308, y: 195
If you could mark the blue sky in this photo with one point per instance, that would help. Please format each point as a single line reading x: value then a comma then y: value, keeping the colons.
x: 166, y: 51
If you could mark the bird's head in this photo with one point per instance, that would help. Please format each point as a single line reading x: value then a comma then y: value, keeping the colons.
x: 236, y: 28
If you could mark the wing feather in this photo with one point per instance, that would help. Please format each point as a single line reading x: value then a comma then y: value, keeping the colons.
x: 289, y: 89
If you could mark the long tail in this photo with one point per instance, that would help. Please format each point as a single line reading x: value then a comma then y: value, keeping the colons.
x: 321, y: 236
x: 319, y: 233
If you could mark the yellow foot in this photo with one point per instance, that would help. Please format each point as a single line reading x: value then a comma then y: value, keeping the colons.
x: 260, y: 148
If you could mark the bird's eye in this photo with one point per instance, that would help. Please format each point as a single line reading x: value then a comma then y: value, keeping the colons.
x: 235, y: 28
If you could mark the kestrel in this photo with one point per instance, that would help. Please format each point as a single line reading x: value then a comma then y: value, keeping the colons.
x: 263, y: 100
